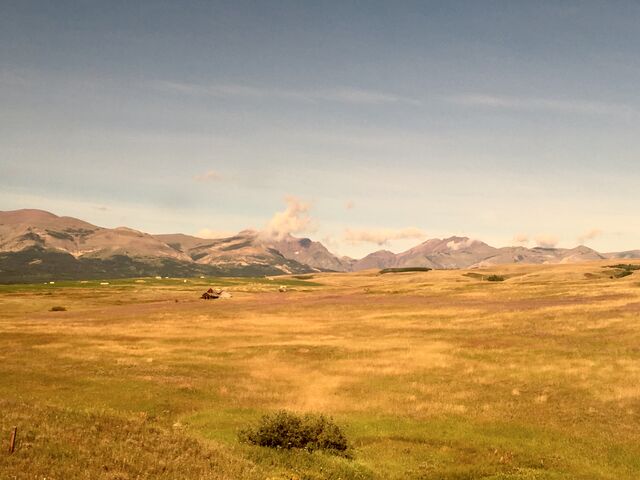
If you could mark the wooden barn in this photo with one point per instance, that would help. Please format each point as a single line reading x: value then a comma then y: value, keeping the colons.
x: 209, y: 295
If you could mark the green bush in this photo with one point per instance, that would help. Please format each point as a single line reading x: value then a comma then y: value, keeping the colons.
x: 622, y: 273
x: 404, y: 270
x: 625, y: 266
x: 287, y: 430
x: 622, y: 270
x: 495, y: 278
x: 58, y: 309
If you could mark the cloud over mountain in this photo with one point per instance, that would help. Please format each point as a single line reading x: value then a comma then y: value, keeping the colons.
x: 381, y: 236
x: 589, y: 235
x: 521, y: 239
x: 546, y: 241
x: 294, y: 219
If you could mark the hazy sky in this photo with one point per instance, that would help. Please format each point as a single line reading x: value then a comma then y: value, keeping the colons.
x: 503, y: 121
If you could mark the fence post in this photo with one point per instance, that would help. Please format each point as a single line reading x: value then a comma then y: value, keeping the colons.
x: 12, y: 442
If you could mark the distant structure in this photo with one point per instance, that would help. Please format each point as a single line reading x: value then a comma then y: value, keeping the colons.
x: 210, y: 295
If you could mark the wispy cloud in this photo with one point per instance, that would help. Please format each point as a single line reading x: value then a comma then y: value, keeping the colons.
x: 501, y: 102
x: 381, y: 236
x: 456, y: 245
x: 589, y: 235
x: 338, y: 94
x: 209, y: 176
x: 546, y: 241
x: 12, y: 78
x: 521, y: 239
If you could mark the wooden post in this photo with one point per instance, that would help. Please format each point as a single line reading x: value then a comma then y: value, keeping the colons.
x: 12, y: 442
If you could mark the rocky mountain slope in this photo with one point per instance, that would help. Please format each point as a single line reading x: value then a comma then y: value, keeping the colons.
x: 452, y: 252
x: 243, y: 250
x: 627, y: 254
x: 463, y: 252
x: 541, y: 255
x: 38, y: 245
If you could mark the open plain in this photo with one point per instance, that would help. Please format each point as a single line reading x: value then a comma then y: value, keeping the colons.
x: 434, y: 375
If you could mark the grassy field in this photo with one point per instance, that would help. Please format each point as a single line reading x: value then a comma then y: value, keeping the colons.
x: 434, y: 375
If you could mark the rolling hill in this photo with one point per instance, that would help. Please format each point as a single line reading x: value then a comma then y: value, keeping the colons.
x: 36, y: 245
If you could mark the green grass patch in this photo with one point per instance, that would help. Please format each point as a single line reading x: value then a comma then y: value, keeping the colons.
x: 495, y: 278
x: 404, y: 270
x: 625, y: 266
x: 622, y: 270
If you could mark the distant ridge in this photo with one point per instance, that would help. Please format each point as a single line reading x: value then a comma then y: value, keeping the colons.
x: 38, y: 245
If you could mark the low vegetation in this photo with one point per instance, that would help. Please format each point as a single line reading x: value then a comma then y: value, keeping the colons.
x: 622, y: 270
x: 404, y: 270
x: 302, y: 277
x: 288, y: 430
x: 626, y: 266
x: 38, y: 264
x: 495, y: 278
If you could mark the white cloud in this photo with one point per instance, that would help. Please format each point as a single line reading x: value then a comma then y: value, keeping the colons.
x: 330, y: 242
x: 338, y: 95
x: 521, y: 239
x: 294, y: 219
x: 540, y: 104
x: 589, y: 235
x: 381, y: 236
x: 459, y: 245
x: 546, y: 241
x: 354, y: 95
x: 209, y: 176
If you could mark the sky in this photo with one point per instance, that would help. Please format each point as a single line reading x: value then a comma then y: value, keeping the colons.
x: 365, y: 125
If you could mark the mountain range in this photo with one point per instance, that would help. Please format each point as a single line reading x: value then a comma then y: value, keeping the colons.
x: 36, y: 245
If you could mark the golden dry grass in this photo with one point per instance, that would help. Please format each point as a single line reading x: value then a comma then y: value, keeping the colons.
x: 433, y: 375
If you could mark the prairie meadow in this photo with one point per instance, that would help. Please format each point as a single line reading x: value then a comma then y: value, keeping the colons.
x: 431, y: 375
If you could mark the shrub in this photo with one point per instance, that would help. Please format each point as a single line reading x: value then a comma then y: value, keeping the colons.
x: 495, y: 278
x: 625, y: 266
x: 287, y: 430
x: 622, y: 273
x: 404, y: 270
x: 58, y: 309
x: 622, y: 270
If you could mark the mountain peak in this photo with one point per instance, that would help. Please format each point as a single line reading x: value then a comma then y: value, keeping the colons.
x: 26, y: 215
x: 30, y: 235
x: 35, y: 218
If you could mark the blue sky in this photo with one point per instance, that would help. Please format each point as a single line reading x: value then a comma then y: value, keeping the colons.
x: 387, y: 122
